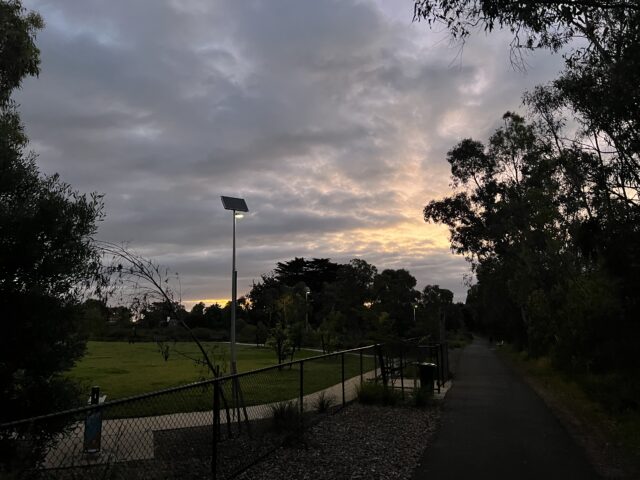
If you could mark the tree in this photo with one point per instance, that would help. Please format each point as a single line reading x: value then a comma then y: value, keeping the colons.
x: 542, y: 237
x: 591, y: 240
x: 95, y: 315
x: 213, y: 316
x: 597, y: 85
x: 434, y: 295
x: 262, y: 333
x: 263, y: 297
x: 280, y: 340
x: 535, y: 24
x: 149, y: 288
x: 47, y: 256
x: 393, y: 293
x: 328, y: 331
x: 314, y: 274
x: 196, y: 317
x: 505, y: 217
x: 437, y: 305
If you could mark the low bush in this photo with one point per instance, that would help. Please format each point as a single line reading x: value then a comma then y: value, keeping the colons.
x: 617, y: 392
x: 323, y: 402
x: 377, y: 394
x: 247, y: 334
x: 286, y: 417
x: 421, y: 397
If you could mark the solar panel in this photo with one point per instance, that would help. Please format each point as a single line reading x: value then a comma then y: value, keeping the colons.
x: 236, y: 204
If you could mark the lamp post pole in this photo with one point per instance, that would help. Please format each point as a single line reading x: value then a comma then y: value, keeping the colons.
x: 234, y: 291
x: 235, y: 205
x: 414, y: 313
x: 306, y: 308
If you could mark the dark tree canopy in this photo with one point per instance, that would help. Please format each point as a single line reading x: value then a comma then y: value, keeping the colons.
x: 47, y: 256
x: 313, y: 273
x: 549, y: 24
x: 352, y: 304
x: 550, y: 216
x: 544, y: 231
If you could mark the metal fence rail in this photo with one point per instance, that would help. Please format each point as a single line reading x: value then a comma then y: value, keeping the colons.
x: 211, y: 429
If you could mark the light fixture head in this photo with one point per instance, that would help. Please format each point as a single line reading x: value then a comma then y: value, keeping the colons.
x: 239, y: 215
x: 235, y: 204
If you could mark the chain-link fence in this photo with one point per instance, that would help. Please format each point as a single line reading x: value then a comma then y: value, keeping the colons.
x: 211, y: 429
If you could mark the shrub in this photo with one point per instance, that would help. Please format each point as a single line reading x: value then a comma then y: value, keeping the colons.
x: 323, y: 402
x: 286, y: 417
x: 247, y: 334
x: 421, y: 397
x: 377, y: 394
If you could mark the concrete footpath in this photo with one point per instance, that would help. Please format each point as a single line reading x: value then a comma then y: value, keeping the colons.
x: 494, y: 426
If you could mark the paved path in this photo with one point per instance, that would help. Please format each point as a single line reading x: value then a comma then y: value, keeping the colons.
x: 495, y: 427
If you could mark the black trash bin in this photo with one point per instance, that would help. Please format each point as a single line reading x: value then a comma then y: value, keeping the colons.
x: 427, y: 375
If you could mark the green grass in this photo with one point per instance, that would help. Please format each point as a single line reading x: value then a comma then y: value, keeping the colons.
x: 123, y: 370
x: 569, y: 394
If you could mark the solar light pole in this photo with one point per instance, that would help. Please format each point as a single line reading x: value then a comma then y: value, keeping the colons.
x: 235, y: 205
x: 307, y: 291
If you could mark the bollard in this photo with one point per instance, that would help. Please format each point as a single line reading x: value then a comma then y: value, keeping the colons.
x: 93, y: 424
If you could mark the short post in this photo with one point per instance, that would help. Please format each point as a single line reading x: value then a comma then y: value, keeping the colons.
x: 383, y: 368
x: 344, y: 400
x: 441, y: 349
x: 446, y: 361
x: 402, y: 375
x: 415, y: 366
x: 375, y: 367
x: 301, y: 387
x: 361, y: 372
x: 439, y: 360
x: 93, y: 424
x: 216, y: 429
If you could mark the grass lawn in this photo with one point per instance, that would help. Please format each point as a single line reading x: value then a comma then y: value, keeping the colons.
x: 123, y: 370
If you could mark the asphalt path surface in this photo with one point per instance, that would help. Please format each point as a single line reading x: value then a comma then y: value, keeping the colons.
x: 494, y: 426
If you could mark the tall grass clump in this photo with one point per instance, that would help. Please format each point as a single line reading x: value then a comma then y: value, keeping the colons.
x: 286, y: 417
x: 323, y: 402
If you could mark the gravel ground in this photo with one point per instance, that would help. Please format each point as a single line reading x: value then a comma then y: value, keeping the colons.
x: 358, y: 442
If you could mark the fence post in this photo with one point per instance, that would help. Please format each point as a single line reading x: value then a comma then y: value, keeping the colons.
x: 375, y: 367
x: 439, y: 360
x: 301, y: 387
x: 446, y: 356
x: 383, y: 367
x: 344, y: 400
x: 443, y: 378
x: 402, y: 374
x: 361, y: 372
x: 216, y: 429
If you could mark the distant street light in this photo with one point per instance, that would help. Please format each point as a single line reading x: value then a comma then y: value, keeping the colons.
x: 235, y: 205
x: 415, y: 306
x: 307, y: 291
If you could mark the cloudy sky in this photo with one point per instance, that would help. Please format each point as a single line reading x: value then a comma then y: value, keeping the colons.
x: 332, y: 119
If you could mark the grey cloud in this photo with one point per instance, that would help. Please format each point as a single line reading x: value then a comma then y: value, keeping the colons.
x: 327, y: 116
